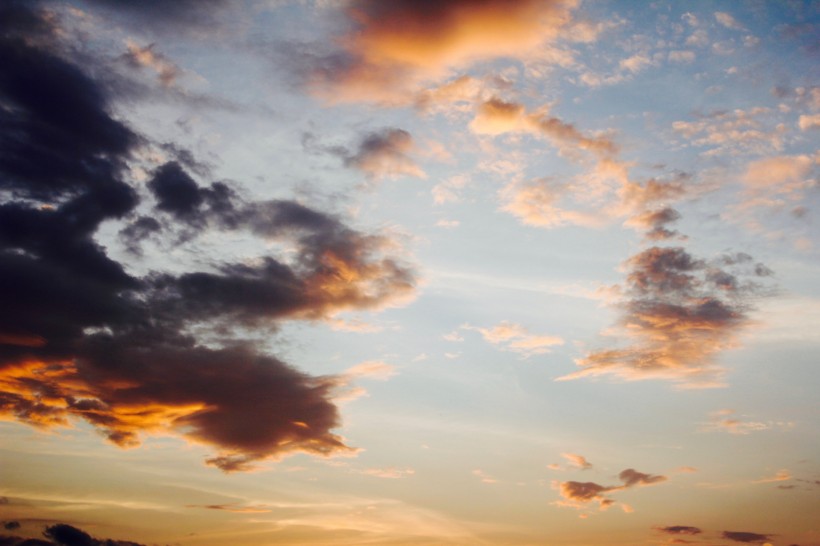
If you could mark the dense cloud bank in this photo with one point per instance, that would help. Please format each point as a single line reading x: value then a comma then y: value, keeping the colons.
x: 82, y: 337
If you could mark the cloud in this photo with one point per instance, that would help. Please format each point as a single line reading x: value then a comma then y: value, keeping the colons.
x: 510, y: 336
x: 148, y: 57
x: 449, y: 190
x: 728, y: 21
x: 62, y: 534
x: 539, y: 203
x: 724, y: 420
x: 655, y: 222
x: 808, y: 122
x: 375, y: 369
x: 495, y: 117
x: 84, y: 338
x: 755, y: 130
x: 781, y: 475
x: 385, y: 154
x: 579, y: 494
x: 682, y: 56
x: 679, y: 530
x: 578, y: 461
x: 483, y: 476
x: 389, y: 473
x: 183, y: 16
x: 393, y: 49
x: 742, y: 536
x: 632, y: 477
x: 680, y: 312
x: 233, y: 508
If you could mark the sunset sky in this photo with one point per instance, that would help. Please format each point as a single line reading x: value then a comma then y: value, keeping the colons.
x: 465, y: 272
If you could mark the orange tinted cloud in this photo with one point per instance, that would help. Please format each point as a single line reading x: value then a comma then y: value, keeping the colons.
x: 394, y: 47
x: 546, y: 203
x: 579, y: 494
x: 680, y: 312
x: 578, y: 461
x: 203, y: 395
x: 149, y: 57
x: 495, y: 117
x: 514, y: 337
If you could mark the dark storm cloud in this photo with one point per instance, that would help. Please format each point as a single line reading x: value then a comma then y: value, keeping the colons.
x: 742, y: 536
x: 81, y: 338
x: 176, y: 191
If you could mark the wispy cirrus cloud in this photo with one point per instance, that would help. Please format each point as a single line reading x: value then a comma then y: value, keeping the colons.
x: 510, y: 336
x: 726, y: 420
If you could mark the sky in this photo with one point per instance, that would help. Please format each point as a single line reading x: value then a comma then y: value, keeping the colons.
x: 463, y: 272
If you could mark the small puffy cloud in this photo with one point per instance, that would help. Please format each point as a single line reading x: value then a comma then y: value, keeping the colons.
x: 655, y: 223
x: 513, y: 337
x: 736, y: 132
x: 635, y: 63
x: 809, y: 122
x: 373, y: 369
x: 783, y: 172
x: 449, y: 190
x: 632, y: 477
x: 579, y: 494
x: 699, y: 38
x: 728, y: 21
x: 774, y: 183
x: 390, y: 473
x: 540, y: 203
x: 578, y: 461
x: 743, y: 536
x: 386, y: 154
x: 148, y: 57
x: 681, y: 56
